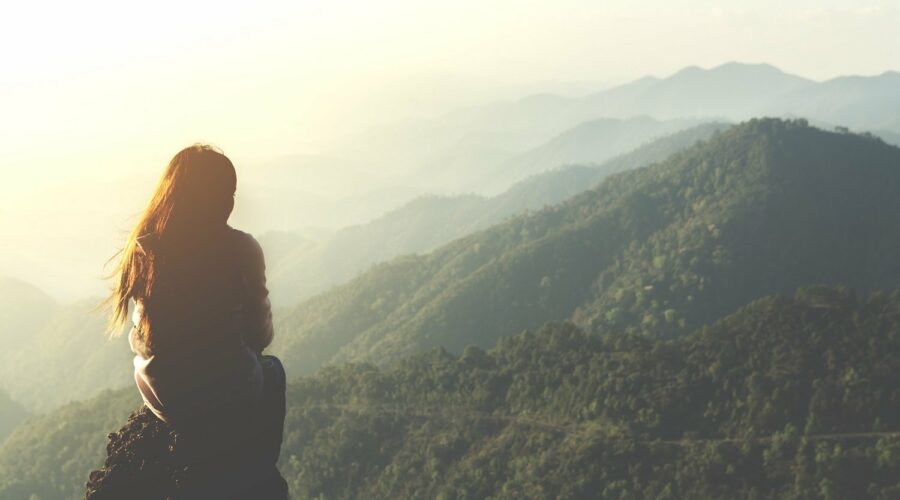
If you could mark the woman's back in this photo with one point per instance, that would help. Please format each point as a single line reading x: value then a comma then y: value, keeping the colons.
x: 202, y: 318
x: 209, y: 316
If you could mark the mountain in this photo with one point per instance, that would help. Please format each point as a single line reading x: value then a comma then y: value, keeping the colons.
x: 472, y: 165
x: 785, y: 397
x: 889, y: 137
x: 493, y: 134
x: 11, y: 415
x: 428, y: 147
x: 557, y: 185
x: 280, y: 245
x: 762, y: 208
x: 744, y: 408
x: 481, y: 148
x: 50, y: 456
x: 55, y: 353
x: 732, y: 90
x: 862, y: 103
x: 25, y: 310
x: 590, y: 142
x: 300, y: 269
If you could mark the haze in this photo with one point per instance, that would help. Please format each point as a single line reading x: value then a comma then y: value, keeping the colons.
x: 97, y: 96
x: 104, y: 87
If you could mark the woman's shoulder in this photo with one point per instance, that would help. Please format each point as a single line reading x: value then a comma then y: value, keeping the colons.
x: 244, y: 243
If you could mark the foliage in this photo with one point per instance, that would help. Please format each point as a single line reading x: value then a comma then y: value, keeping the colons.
x: 787, y: 397
x: 762, y: 208
x: 300, y: 269
x: 654, y: 388
x: 49, y: 457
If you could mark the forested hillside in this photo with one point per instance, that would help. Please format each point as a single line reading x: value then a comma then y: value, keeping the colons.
x: 793, y: 398
x: 11, y: 415
x: 786, y: 397
x: 764, y: 207
x: 51, y: 455
x: 54, y: 353
x: 299, y: 268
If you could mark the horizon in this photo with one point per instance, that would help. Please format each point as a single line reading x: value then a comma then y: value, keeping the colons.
x: 556, y: 89
x: 298, y: 73
x: 562, y: 89
x: 321, y: 107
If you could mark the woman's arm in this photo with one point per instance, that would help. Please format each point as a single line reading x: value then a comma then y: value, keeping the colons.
x: 257, y: 307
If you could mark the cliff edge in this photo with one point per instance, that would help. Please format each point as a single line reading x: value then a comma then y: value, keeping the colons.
x: 147, y: 459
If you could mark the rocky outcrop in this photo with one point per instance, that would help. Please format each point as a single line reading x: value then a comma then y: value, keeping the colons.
x: 148, y: 459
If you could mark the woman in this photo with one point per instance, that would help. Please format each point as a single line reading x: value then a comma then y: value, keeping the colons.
x: 202, y: 315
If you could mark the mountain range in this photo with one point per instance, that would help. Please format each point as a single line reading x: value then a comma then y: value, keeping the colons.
x: 787, y: 397
x: 56, y: 353
x: 299, y: 268
x: 481, y: 149
x: 761, y: 208
x: 732, y: 91
x: 694, y: 310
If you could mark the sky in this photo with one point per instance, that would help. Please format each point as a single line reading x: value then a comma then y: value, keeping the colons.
x: 96, y: 96
x: 111, y: 88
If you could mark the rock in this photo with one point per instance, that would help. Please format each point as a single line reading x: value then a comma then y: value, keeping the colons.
x: 148, y: 459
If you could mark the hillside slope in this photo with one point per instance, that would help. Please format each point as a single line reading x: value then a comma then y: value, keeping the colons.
x: 786, y: 397
x: 429, y: 222
x: 55, y: 353
x: 50, y: 456
x: 11, y: 415
x: 763, y: 208
x: 590, y: 142
x: 25, y: 310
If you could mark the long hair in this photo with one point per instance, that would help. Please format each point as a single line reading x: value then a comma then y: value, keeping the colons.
x: 194, y: 196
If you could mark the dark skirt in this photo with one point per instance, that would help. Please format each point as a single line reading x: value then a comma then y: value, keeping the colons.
x: 236, y: 457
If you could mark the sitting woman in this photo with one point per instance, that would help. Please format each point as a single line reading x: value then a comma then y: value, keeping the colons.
x: 202, y: 318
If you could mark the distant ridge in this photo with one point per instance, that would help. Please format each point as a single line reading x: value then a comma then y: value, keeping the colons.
x: 762, y: 208
x: 732, y: 91
x: 300, y: 269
